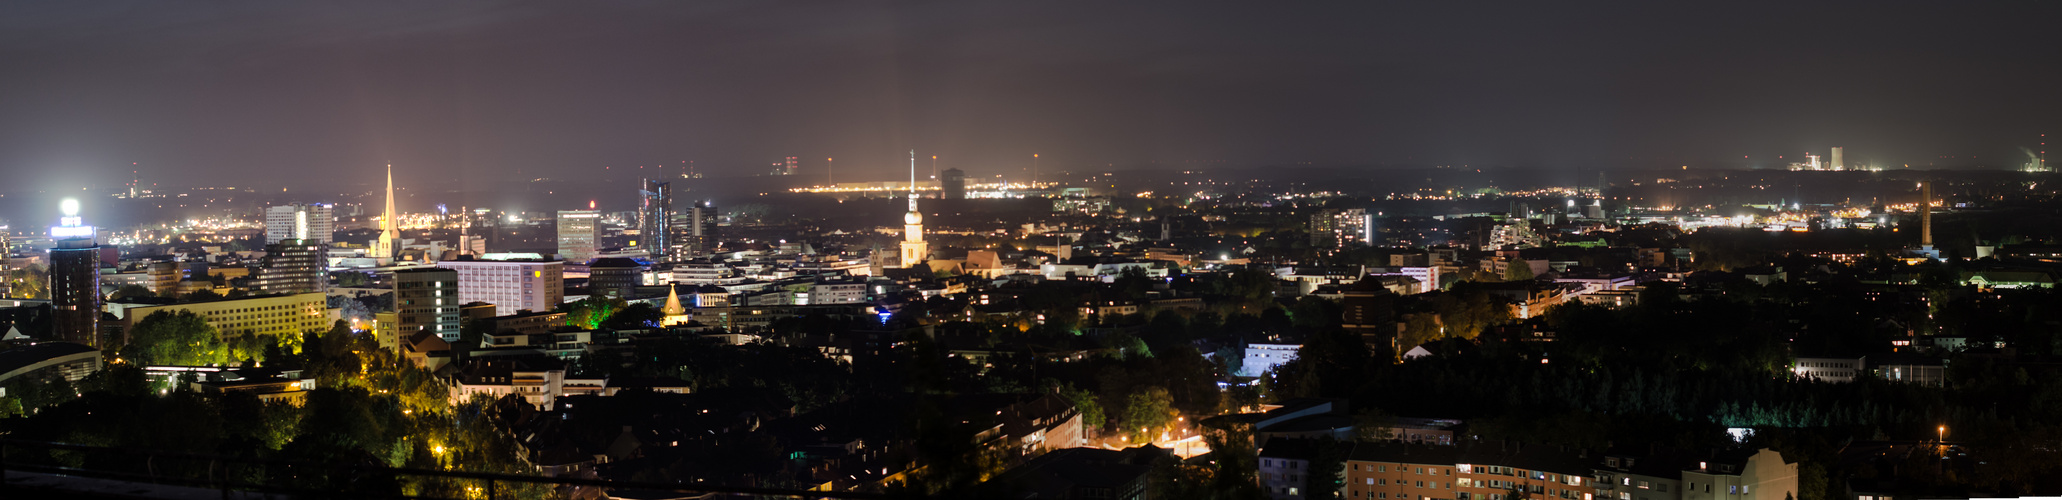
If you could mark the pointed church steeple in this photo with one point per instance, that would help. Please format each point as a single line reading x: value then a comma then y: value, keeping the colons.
x: 673, y: 307
x: 914, y: 248
x: 390, y: 228
x: 676, y: 314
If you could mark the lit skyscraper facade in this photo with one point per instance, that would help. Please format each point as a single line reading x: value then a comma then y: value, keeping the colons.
x: 655, y: 217
x: 75, y: 279
x: 293, y: 266
x: 579, y: 233
x: 425, y: 299
x: 1340, y: 228
x: 697, y: 232
x: 310, y: 222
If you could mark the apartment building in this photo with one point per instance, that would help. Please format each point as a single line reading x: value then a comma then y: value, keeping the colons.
x: 1395, y: 470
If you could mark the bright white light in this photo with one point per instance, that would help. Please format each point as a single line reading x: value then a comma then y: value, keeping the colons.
x: 70, y: 207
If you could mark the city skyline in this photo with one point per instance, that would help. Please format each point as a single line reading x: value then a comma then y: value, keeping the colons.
x: 1196, y: 250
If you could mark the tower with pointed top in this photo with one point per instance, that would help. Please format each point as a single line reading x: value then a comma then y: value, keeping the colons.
x: 389, y: 227
x: 914, y: 248
x: 675, y: 313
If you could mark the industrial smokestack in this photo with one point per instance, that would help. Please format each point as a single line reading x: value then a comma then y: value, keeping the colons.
x: 1837, y: 151
x: 1925, y: 214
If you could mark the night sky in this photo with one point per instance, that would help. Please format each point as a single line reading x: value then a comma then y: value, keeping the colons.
x: 291, y: 93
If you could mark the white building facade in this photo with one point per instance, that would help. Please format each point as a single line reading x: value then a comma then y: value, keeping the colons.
x: 511, y: 285
x: 300, y: 221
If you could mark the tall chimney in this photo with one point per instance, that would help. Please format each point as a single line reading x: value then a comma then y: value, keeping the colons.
x: 1926, y: 215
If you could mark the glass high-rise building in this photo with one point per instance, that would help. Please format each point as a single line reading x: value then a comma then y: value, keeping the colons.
x: 655, y: 218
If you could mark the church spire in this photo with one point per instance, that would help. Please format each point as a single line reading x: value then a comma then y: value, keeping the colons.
x: 914, y: 249
x: 673, y: 307
x: 675, y: 313
x: 390, y: 227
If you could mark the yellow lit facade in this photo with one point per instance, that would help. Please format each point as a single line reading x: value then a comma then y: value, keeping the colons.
x: 274, y: 315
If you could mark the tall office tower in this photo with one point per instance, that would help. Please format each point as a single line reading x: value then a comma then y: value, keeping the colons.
x: 388, y: 247
x: 6, y: 249
x: 791, y: 166
x: 1837, y: 153
x: 655, y: 217
x: 311, y: 222
x: 1339, y: 228
x: 75, y: 279
x: 952, y: 184
x: 697, y: 231
x: 293, y: 266
x: 425, y: 299
x: 511, y: 285
x: 914, y: 249
x: 579, y: 233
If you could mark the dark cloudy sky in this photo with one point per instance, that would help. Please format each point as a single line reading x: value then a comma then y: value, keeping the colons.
x: 280, y: 92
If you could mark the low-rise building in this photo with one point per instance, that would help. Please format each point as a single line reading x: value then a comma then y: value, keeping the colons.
x: 1740, y: 475
x: 291, y: 314
x: 1260, y: 358
x: 539, y: 382
x: 1086, y: 473
x: 1286, y: 468
x: 1836, y: 369
x: 1911, y: 369
x: 45, y: 360
x: 522, y: 322
x: 269, y: 386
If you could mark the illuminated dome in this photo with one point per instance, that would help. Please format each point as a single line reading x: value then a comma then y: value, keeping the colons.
x: 912, y: 218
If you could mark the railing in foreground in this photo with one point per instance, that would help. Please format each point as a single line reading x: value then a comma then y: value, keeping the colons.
x: 318, y: 480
